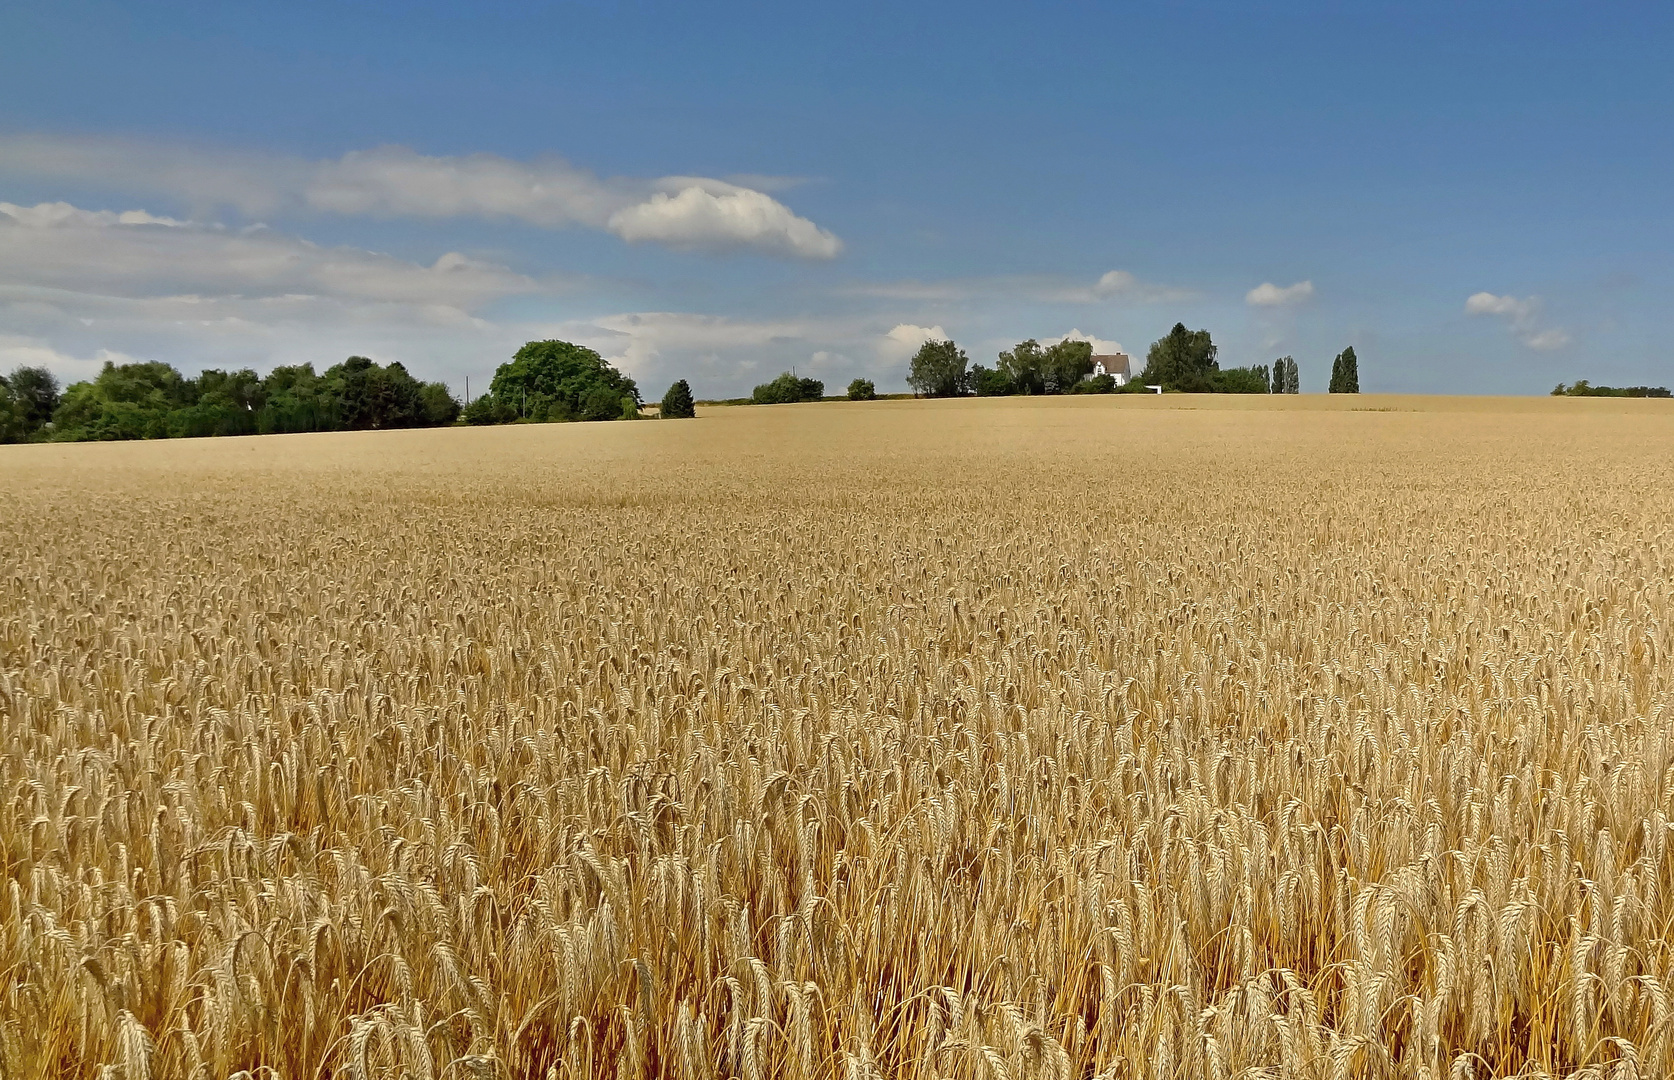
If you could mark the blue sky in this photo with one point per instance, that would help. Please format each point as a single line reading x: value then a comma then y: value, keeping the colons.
x: 1476, y: 196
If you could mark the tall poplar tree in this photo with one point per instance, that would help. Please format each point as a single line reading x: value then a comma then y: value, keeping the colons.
x: 1345, y: 373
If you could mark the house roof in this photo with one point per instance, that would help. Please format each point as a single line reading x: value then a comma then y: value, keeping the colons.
x: 1114, y: 363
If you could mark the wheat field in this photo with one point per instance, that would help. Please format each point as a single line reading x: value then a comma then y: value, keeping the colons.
x: 1006, y: 739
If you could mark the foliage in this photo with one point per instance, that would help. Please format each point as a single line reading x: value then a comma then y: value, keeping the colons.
x: 28, y: 398
x: 1582, y: 388
x: 1345, y: 373
x: 1023, y: 368
x: 1064, y: 364
x: 988, y: 382
x: 14, y: 424
x: 938, y: 370
x: 1242, y: 380
x: 677, y: 402
x: 897, y: 745
x: 1182, y: 360
x: 862, y: 390
x: 1286, y: 379
x: 1098, y: 384
x: 154, y: 401
x: 437, y: 405
x: 549, y: 381
x: 788, y: 389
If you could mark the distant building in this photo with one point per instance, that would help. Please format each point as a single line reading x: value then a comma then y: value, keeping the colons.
x: 1116, y: 365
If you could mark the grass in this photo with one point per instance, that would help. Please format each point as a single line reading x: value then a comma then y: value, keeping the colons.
x: 1117, y: 737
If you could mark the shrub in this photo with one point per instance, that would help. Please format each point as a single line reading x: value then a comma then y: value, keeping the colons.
x: 1098, y: 384
x: 787, y: 389
x: 862, y: 390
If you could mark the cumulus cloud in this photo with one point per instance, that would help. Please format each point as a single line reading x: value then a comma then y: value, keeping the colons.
x: 1486, y: 303
x: 906, y: 338
x: 1268, y: 294
x: 1101, y: 347
x: 700, y: 216
x: 134, y: 253
x: 396, y: 181
x: 1522, y: 317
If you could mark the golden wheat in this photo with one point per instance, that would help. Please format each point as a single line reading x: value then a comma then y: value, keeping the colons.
x: 1002, y: 739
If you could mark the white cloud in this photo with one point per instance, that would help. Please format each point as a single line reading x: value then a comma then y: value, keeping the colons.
x: 1268, y: 294
x: 906, y: 338
x: 1486, y: 303
x: 1112, y: 286
x: 136, y: 254
x: 724, y: 357
x: 1546, y: 340
x: 1115, y: 283
x: 698, y: 216
x: 396, y: 181
x: 1101, y: 347
x: 1522, y: 318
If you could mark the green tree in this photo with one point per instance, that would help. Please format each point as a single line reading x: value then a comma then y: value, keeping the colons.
x: 1242, y: 380
x: 1285, y: 376
x: 677, y: 402
x: 489, y: 409
x: 124, y: 401
x: 862, y: 390
x: 372, y: 397
x: 437, y: 405
x: 14, y: 425
x: 557, y: 380
x: 35, y: 392
x: 1182, y: 360
x: 1024, y: 368
x: 1066, y: 363
x: 295, y: 400
x: 787, y: 389
x: 987, y: 382
x: 938, y: 370
x: 1345, y: 373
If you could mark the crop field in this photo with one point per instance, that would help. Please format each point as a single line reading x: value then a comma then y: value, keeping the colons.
x: 1004, y: 738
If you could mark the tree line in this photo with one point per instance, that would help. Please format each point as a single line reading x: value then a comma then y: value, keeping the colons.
x: 1582, y: 388
x: 544, y: 382
x: 152, y: 400
x: 1183, y: 361
x: 557, y: 381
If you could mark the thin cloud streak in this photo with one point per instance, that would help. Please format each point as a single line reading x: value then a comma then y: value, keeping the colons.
x: 1112, y: 287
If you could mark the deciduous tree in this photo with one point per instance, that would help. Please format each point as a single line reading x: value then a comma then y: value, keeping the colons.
x: 938, y: 370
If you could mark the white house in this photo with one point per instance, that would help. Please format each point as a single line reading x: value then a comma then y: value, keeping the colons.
x: 1115, y: 365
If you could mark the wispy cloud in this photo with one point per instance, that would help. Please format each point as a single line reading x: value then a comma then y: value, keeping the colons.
x: 1522, y: 317
x: 137, y: 254
x: 1268, y: 294
x: 1113, y: 286
x: 395, y: 181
